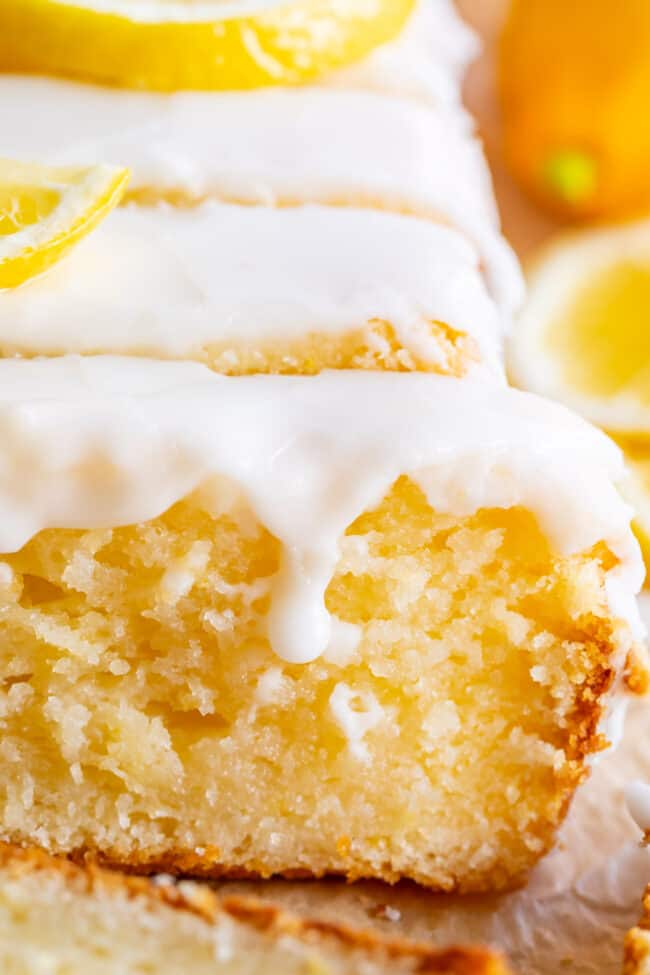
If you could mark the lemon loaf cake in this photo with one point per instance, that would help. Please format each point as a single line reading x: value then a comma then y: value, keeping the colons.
x: 357, y: 623
x: 283, y: 147
x: 63, y: 920
x: 254, y: 289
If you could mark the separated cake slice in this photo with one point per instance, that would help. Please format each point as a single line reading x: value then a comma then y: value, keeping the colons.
x: 277, y: 147
x: 63, y: 920
x: 357, y: 623
x: 254, y: 289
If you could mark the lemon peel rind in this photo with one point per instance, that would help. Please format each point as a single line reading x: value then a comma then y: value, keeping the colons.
x: 554, y: 278
x: 87, y: 202
x: 288, y: 44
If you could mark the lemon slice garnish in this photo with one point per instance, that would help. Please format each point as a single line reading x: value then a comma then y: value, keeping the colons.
x: 44, y: 211
x: 584, y: 335
x: 168, y: 45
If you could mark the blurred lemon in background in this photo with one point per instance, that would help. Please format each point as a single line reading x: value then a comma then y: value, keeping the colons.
x: 168, y: 45
x: 574, y: 81
x: 583, y: 336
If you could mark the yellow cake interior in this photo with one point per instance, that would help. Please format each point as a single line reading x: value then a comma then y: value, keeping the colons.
x: 144, y: 716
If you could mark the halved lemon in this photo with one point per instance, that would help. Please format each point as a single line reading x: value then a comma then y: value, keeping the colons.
x: 44, y: 211
x: 168, y: 45
x: 584, y: 335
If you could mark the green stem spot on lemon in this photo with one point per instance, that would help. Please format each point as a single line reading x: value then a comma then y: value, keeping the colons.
x: 570, y: 175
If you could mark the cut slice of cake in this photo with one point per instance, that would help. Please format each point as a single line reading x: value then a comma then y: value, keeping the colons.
x: 284, y: 147
x: 255, y: 289
x: 358, y: 623
x: 64, y: 920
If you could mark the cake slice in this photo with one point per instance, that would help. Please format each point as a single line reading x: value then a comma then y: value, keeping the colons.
x: 63, y: 920
x: 358, y: 623
x: 283, y: 147
x: 255, y: 289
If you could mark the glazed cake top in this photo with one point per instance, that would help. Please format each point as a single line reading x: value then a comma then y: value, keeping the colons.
x: 106, y: 441
x: 169, y: 282
x: 427, y: 60
x: 286, y: 147
x: 364, y: 144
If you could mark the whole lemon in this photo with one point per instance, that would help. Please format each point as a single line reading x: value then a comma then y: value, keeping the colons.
x: 574, y: 81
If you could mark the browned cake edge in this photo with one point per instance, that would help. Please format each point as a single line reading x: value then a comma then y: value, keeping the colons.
x: 637, y: 941
x: 265, y: 917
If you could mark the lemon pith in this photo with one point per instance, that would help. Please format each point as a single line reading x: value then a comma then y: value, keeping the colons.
x: 45, y: 211
x: 283, y: 43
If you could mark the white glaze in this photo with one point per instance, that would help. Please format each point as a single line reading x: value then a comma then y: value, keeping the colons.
x: 637, y: 798
x: 356, y: 713
x: 268, y: 147
x: 92, y: 442
x: 168, y: 282
x: 426, y: 61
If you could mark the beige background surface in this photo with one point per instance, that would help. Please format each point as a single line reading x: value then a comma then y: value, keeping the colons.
x: 525, y: 226
x: 571, y: 918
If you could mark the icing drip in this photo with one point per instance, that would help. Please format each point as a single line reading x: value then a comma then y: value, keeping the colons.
x: 107, y: 441
x: 637, y: 797
x: 271, y: 147
x: 169, y: 282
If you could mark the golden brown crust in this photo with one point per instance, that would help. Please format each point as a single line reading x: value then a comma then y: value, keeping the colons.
x: 636, y: 675
x: 179, y: 863
x: 636, y: 952
x: 644, y: 922
x: 252, y: 912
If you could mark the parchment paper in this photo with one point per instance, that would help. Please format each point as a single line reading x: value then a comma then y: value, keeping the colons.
x: 571, y: 917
